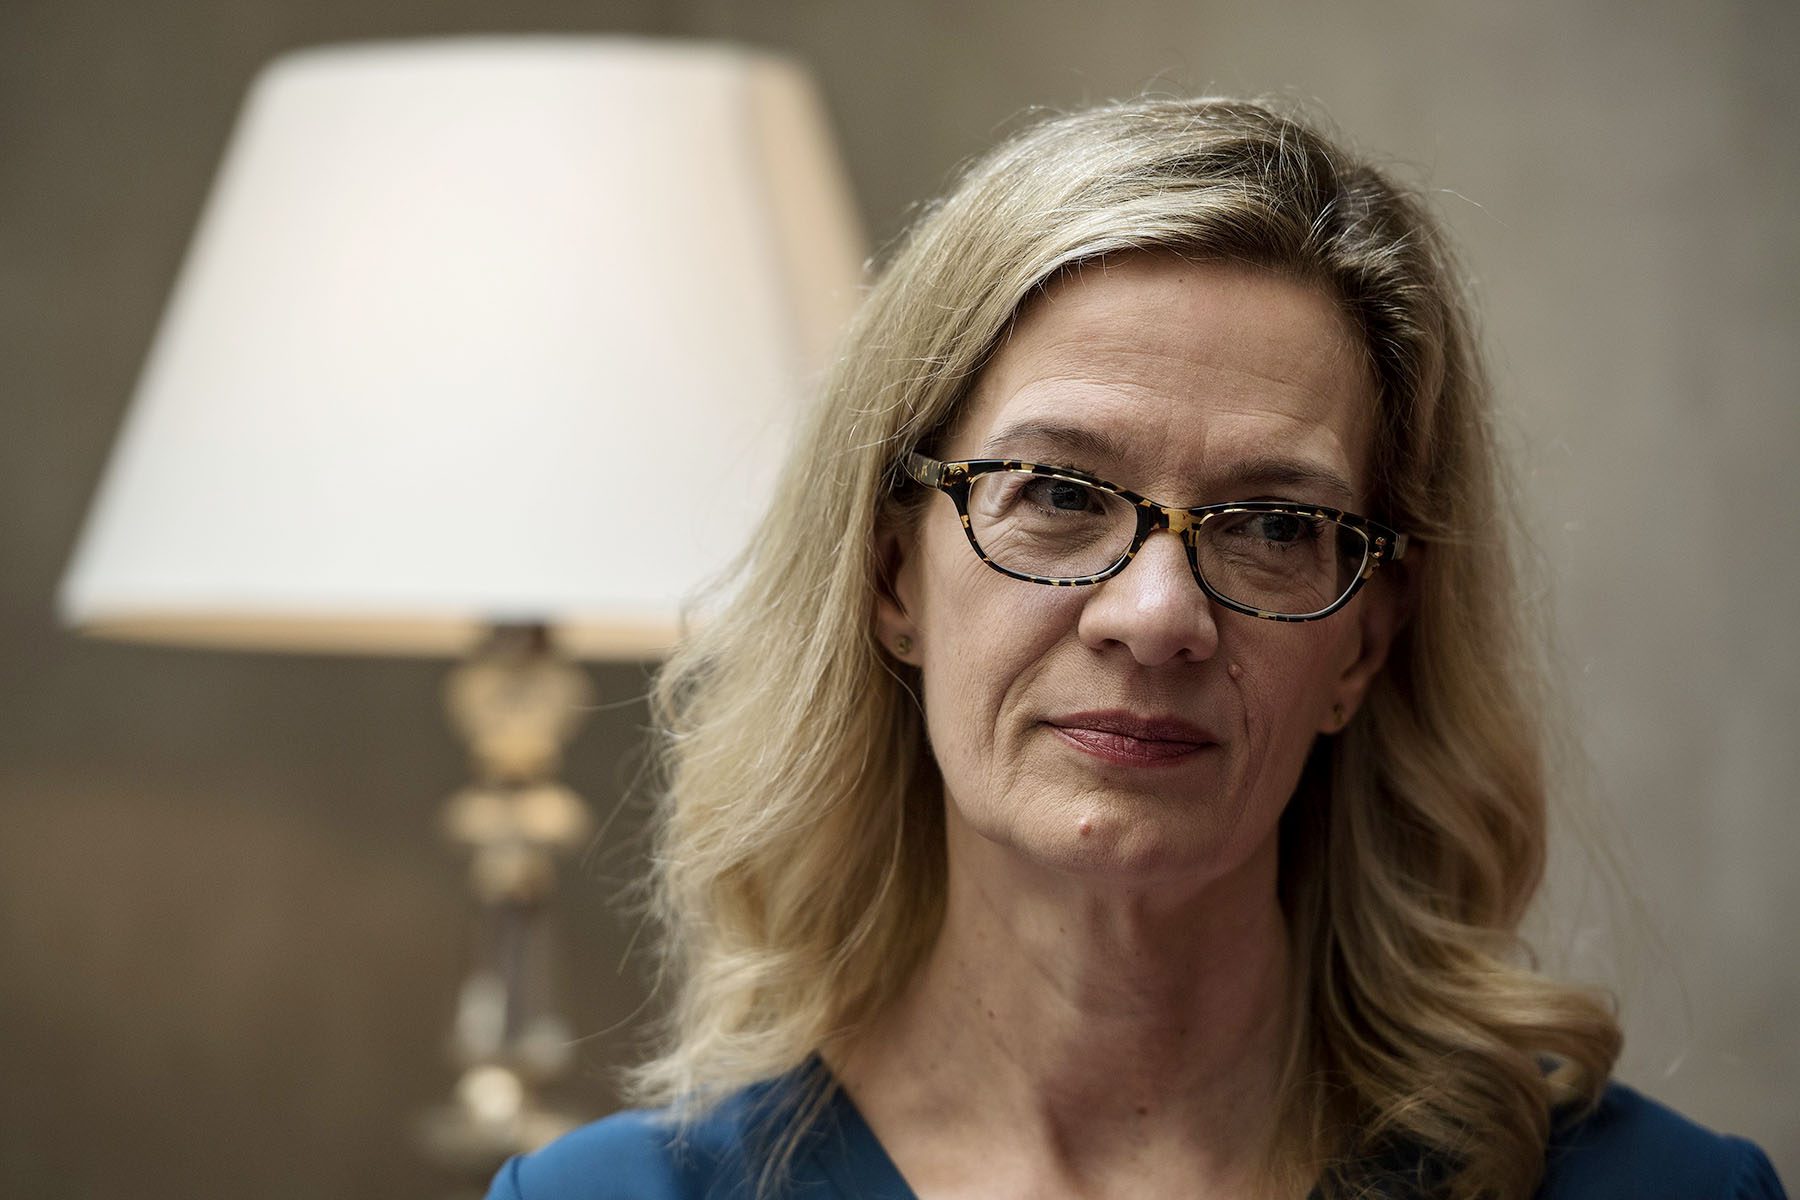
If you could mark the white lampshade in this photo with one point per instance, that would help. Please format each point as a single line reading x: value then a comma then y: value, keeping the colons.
x: 475, y: 330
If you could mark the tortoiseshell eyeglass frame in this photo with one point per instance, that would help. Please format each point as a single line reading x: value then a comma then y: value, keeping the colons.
x: 1385, y: 545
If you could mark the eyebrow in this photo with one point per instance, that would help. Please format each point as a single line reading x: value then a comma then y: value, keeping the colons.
x: 1255, y: 471
x: 1067, y: 439
x: 1263, y: 470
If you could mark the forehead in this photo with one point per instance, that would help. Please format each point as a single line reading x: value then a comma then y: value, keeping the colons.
x: 1190, y: 377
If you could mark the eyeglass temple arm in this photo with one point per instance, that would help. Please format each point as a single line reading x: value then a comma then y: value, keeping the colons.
x: 928, y: 471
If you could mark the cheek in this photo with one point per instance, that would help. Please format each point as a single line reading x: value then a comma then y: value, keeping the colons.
x: 974, y: 620
x: 984, y: 638
x: 1286, y: 688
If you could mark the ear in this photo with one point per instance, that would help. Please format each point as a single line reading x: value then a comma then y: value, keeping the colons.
x: 895, y: 629
x: 1383, y: 610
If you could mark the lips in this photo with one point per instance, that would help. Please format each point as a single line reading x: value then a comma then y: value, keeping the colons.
x: 1132, y: 738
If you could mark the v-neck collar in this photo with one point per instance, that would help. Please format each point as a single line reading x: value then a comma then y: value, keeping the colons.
x: 850, y: 1156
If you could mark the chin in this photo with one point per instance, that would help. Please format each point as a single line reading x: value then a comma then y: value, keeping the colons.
x: 1122, y: 845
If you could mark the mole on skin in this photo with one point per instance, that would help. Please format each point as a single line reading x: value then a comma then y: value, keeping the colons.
x: 1086, y: 827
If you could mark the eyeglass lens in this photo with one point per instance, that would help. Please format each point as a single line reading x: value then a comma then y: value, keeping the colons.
x: 1291, y: 564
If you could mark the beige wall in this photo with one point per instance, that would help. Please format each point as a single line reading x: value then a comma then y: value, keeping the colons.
x: 226, y: 937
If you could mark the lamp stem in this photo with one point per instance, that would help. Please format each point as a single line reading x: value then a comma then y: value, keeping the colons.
x: 515, y: 702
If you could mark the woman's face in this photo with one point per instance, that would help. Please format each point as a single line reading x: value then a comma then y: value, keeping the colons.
x: 1190, y: 384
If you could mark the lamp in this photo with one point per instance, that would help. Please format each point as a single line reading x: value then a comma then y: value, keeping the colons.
x: 484, y: 348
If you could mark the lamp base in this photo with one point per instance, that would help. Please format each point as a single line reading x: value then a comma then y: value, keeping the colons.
x: 491, y: 1118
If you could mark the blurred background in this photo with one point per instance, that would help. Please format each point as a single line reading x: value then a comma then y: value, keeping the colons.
x: 229, y: 937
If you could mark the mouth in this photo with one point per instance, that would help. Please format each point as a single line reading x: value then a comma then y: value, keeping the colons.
x: 1132, y: 739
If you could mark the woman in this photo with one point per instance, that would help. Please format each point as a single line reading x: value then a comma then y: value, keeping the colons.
x: 1118, y: 772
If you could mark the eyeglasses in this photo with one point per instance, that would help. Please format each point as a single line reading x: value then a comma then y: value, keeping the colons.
x: 1058, y: 526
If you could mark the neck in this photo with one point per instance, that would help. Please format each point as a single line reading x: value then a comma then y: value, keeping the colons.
x: 1101, y: 1025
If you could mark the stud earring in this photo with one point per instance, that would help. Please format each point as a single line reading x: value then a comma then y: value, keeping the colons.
x: 1337, y: 715
x: 903, y: 644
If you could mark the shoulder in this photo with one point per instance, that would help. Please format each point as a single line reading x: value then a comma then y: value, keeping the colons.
x: 1631, y: 1146
x: 643, y: 1154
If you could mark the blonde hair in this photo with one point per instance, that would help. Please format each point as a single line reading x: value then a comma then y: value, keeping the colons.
x: 799, y: 861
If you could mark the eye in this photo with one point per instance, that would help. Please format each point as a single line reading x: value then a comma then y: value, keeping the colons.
x: 1271, y: 532
x: 1062, y: 494
x: 1282, y: 528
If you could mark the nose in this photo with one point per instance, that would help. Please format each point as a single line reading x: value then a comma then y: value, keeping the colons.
x: 1154, y: 607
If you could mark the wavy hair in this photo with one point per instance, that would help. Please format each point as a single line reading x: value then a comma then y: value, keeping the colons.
x: 799, y: 863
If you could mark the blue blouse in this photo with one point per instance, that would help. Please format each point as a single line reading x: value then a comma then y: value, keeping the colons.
x: 1629, y: 1148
